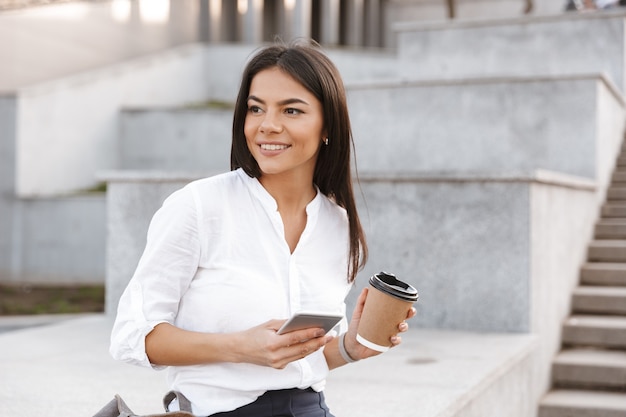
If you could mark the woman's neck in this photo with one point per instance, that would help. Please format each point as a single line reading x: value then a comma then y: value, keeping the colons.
x: 291, y: 194
x: 292, y: 197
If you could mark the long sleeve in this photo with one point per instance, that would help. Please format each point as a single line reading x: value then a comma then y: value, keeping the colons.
x: 166, y: 268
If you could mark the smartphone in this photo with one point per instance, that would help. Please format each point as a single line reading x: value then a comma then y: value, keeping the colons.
x: 308, y: 319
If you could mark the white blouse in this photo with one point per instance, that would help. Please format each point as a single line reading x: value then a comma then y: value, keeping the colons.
x: 217, y: 261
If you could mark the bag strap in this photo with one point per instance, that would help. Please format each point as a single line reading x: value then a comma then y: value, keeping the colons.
x: 183, y: 403
x: 123, y: 409
x: 113, y: 408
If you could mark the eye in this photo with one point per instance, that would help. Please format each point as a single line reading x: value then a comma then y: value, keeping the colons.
x: 292, y: 111
x: 254, y: 109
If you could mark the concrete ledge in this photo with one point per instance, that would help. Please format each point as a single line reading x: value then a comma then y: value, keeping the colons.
x: 64, y: 369
x: 521, y: 46
x: 444, y: 373
x: 490, y: 22
x: 495, y: 78
x: 538, y: 176
x: 149, y: 176
x: 530, y: 119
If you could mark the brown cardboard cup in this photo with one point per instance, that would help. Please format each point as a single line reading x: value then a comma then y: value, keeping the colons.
x: 388, y: 303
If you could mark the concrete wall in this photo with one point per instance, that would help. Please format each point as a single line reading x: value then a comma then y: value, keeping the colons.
x: 571, y: 125
x: 466, y: 243
x: 8, y: 113
x: 452, y: 237
x: 490, y: 254
x: 558, y: 45
x: 193, y: 74
x: 429, y: 11
x: 173, y: 139
x: 463, y: 243
x: 467, y: 126
x: 55, y: 137
x: 62, y: 240
x: 80, y: 113
x: 561, y: 222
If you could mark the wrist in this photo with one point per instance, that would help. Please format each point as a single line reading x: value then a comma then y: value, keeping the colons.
x: 343, y: 351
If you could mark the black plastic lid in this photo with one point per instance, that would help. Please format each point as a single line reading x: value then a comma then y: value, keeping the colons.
x: 389, y: 284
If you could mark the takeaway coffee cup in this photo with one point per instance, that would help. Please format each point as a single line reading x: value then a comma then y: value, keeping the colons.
x: 388, y: 303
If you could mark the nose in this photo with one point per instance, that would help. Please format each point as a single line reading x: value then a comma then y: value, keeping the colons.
x: 270, y: 123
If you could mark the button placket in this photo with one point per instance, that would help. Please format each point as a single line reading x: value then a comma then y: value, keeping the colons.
x: 295, y: 302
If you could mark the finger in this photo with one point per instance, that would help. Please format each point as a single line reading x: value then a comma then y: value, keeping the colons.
x: 303, y: 349
x: 412, y: 312
x: 395, y: 340
x: 299, y: 336
x: 403, y: 327
x: 294, y: 349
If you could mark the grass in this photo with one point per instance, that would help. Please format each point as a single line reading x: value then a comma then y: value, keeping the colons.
x: 58, y: 299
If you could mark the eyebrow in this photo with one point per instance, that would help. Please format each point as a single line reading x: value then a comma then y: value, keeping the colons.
x: 282, y: 102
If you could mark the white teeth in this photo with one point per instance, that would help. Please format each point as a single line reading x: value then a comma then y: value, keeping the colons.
x: 272, y: 147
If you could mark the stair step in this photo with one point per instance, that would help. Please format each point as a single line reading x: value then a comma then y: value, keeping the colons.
x: 614, y: 209
x: 590, y: 368
x: 578, y: 403
x: 609, y: 250
x: 616, y: 193
x: 611, y: 228
x: 593, y: 330
x: 596, y: 299
x: 599, y: 273
x: 619, y: 176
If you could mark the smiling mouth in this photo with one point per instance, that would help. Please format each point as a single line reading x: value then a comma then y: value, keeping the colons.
x: 272, y: 147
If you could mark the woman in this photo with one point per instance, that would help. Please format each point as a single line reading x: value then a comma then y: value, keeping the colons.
x: 230, y: 257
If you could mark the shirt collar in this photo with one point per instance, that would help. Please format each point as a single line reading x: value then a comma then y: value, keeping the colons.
x: 268, y: 201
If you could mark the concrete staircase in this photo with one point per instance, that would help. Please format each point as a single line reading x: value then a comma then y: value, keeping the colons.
x: 589, y: 374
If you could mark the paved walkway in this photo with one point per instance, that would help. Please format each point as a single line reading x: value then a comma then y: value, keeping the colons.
x: 62, y: 368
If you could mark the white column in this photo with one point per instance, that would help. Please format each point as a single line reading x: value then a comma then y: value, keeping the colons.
x: 251, y: 17
x: 373, y: 17
x: 354, y: 22
x: 215, y: 19
x: 297, y: 19
x: 329, y: 22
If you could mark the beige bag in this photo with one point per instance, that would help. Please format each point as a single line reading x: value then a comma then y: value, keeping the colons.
x: 118, y: 408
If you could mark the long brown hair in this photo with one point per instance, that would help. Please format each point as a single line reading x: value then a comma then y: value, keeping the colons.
x: 308, y: 65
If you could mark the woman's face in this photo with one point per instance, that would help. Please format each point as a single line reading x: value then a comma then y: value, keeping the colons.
x: 283, y: 125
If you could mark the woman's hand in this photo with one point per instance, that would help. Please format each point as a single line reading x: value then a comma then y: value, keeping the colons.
x: 261, y: 345
x: 353, y: 347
